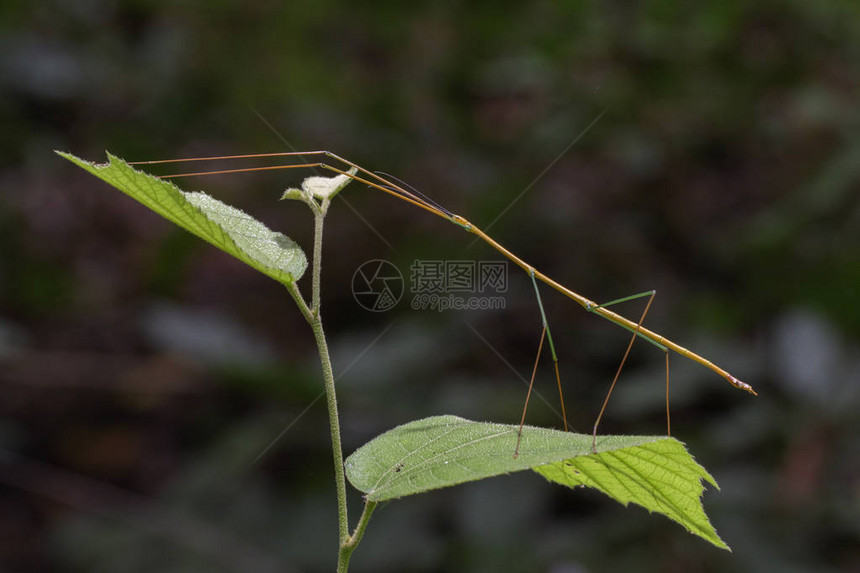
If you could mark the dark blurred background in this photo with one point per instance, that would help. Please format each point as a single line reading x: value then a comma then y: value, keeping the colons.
x: 158, y: 397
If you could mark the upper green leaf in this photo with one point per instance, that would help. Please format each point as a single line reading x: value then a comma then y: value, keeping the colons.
x: 231, y: 230
x: 655, y: 472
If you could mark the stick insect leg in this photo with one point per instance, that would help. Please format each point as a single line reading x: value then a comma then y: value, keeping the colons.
x: 545, y: 333
x: 551, y: 348
x: 650, y: 295
x: 668, y: 424
x: 529, y: 394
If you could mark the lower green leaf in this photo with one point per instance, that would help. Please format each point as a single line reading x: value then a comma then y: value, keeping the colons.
x: 661, y: 476
x: 655, y: 472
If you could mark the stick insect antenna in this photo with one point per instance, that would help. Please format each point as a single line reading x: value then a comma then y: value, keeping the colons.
x: 416, y: 192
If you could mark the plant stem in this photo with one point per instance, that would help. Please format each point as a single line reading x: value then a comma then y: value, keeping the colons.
x: 293, y: 289
x: 346, y: 544
x: 319, y: 218
x: 334, y: 425
x: 347, y: 549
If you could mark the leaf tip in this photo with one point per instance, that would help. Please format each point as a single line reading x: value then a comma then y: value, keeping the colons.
x: 66, y: 155
x: 292, y: 193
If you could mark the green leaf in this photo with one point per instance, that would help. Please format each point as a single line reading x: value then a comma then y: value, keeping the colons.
x: 231, y: 230
x: 661, y: 476
x: 655, y: 472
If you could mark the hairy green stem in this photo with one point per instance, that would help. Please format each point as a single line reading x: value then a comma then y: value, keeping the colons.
x: 347, y: 549
x: 346, y: 542
x: 328, y: 377
x: 319, y: 218
x: 337, y: 450
x: 293, y: 289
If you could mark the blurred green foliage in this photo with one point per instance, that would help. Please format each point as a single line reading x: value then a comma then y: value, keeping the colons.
x: 723, y: 173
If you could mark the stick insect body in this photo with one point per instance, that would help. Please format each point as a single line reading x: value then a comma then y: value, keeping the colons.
x: 377, y: 181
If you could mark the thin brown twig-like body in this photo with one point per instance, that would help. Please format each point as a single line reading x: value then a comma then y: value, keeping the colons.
x: 377, y: 182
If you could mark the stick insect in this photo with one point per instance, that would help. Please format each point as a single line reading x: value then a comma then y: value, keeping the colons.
x: 392, y: 186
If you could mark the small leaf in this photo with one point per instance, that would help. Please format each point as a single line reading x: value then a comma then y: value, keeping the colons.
x: 231, y: 230
x: 320, y: 187
x: 653, y: 471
